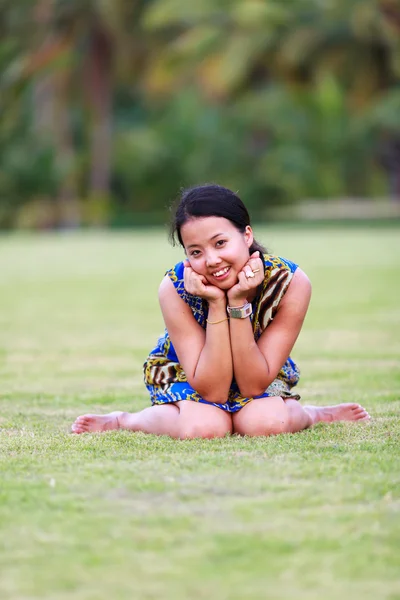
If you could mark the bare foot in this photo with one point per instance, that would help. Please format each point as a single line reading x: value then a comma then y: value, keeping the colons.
x: 340, y: 412
x: 95, y: 423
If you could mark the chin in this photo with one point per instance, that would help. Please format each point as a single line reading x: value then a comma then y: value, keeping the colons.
x: 226, y: 285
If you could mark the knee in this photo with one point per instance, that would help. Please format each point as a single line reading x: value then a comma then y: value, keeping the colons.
x: 274, y: 424
x: 190, y: 431
x: 278, y: 425
x: 264, y: 429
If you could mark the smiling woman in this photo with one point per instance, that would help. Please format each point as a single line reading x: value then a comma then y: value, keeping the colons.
x: 232, y: 313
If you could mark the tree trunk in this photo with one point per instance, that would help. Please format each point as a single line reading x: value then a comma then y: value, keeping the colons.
x: 390, y: 158
x: 50, y: 111
x: 99, y: 94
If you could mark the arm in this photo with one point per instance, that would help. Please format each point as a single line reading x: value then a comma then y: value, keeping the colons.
x: 256, y: 365
x: 204, y: 355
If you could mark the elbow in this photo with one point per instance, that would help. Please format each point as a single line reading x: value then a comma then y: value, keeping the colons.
x: 253, y: 391
x: 216, y: 400
x: 215, y: 396
x: 216, y: 393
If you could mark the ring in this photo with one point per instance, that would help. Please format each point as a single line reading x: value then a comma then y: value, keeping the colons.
x: 251, y: 274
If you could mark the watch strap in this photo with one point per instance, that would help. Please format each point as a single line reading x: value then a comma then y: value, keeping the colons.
x: 240, y: 312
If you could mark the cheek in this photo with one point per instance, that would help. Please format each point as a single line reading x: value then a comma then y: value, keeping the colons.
x: 243, y: 261
x: 197, y: 265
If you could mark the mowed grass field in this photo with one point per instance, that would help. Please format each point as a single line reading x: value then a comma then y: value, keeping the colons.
x: 128, y: 516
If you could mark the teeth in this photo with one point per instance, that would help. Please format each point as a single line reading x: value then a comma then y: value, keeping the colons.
x: 222, y: 272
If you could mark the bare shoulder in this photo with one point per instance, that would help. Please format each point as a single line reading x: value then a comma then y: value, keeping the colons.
x: 172, y: 305
x: 299, y: 291
x: 166, y: 288
x: 300, y: 282
x: 167, y: 294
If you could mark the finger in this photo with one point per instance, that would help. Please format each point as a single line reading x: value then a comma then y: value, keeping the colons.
x: 193, y: 282
x: 244, y: 281
x: 255, y: 254
x: 255, y: 260
x: 187, y: 279
x: 203, y: 280
x: 248, y: 271
x: 256, y: 270
x: 188, y: 274
x: 256, y: 265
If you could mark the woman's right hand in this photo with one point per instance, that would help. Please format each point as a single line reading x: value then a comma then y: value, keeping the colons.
x: 197, y: 285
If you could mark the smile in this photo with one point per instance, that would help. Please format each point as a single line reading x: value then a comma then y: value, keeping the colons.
x: 221, y: 272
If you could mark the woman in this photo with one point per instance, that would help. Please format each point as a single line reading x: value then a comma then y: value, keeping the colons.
x: 232, y: 314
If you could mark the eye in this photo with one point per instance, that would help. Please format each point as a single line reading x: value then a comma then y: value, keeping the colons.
x: 194, y: 252
x: 220, y: 243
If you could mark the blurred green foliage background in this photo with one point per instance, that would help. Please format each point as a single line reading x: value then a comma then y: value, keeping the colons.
x: 108, y: 107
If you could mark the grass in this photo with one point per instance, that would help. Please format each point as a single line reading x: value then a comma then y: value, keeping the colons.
x: 132, y: 516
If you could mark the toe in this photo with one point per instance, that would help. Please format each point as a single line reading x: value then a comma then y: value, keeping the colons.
x: 363, y: 416
x: 81, y: 419
x: 77, y: 428
x: 360, y: 411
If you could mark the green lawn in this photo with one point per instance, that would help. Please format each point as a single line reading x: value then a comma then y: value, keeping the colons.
x: 128, y: 516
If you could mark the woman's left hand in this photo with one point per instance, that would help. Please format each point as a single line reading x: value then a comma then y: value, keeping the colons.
x: 250, y: 277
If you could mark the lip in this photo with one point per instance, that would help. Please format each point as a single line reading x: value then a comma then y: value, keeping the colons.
x: 224, y: 276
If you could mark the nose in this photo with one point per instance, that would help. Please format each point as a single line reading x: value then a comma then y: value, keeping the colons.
x: 212, y: 259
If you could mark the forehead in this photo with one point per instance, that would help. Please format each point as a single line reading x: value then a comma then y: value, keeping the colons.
x: 200, y: 230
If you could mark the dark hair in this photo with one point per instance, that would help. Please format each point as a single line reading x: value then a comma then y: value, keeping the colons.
x: 210, y: 200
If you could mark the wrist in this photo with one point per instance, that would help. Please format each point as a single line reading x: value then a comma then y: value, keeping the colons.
x: 237, y: 301
x: 216, y: 303
x: 240, y: 312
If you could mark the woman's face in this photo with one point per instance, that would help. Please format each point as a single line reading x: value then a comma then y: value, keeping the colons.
x: 216, y: 249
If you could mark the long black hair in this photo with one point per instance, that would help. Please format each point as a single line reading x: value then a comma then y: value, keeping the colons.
x: 210, y: 200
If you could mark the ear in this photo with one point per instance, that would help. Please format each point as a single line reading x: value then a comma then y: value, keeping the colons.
x: 248, y: 236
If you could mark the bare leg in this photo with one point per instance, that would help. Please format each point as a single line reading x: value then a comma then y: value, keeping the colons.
x: 271, y: 416
x: 160, y: 419
x: 199, y: 420
x: 184, y: 420
x: 299, y: 418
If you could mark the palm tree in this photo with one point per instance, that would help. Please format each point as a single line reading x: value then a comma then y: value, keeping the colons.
x: 232, y: 51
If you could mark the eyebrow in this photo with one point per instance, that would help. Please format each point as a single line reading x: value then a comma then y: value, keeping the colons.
x: 211, y: 238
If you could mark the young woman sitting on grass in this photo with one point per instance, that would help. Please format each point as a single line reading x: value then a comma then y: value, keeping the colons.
x: 232, y: 314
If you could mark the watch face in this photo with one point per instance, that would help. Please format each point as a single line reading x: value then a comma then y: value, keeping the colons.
x: 241, y: 312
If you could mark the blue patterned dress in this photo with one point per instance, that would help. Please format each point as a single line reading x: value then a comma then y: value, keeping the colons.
x: 164, y: 376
